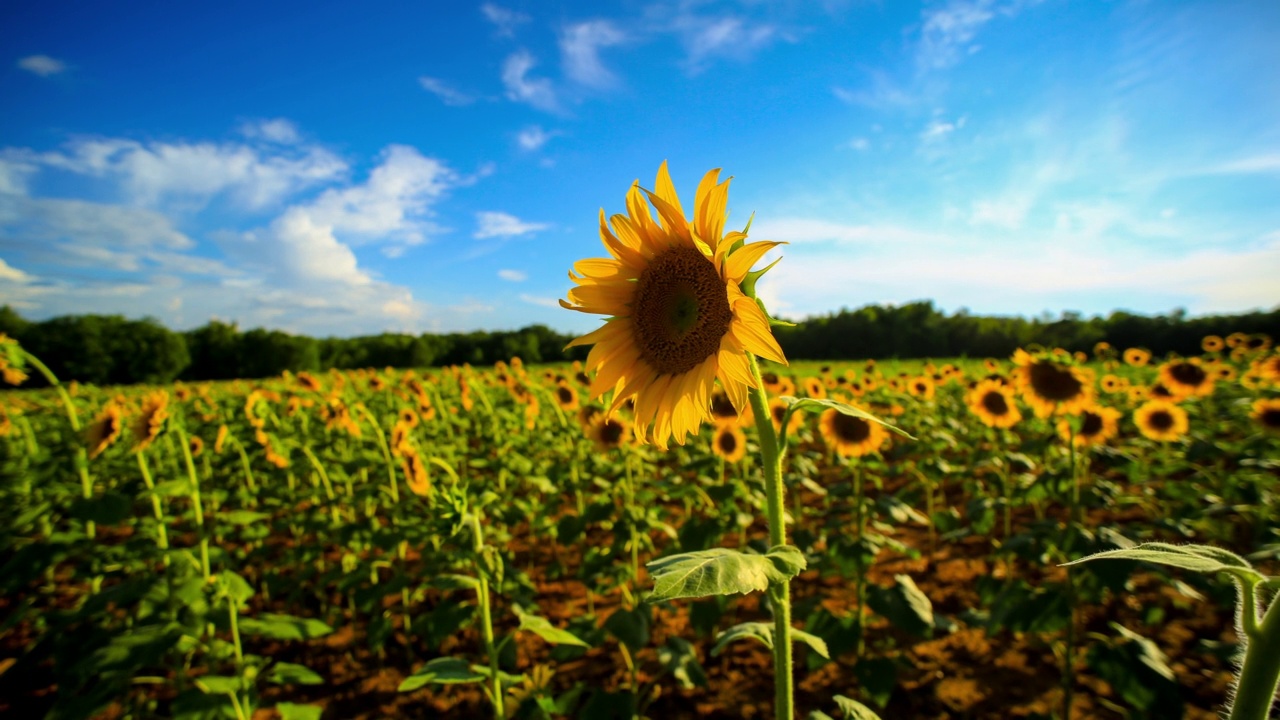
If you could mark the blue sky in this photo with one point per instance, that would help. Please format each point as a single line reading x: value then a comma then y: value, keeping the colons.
x: 348, y: 168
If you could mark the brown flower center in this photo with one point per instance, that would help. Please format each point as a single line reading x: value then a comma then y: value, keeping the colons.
x: 995, y: 403
x: 564, y: 395
x: 728, y: 442
x: 721, y: 407
x: 681, y: 310
x: 1161, y: 420
x: 1270, y: 418
x: 611, y: 433
x: 1188, y: 374
x: 851, y: 429
x: 1092, y: 424
x: 1054, y: 382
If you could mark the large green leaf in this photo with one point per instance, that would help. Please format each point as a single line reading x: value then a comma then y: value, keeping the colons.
x: 851, y: 709
x: 815, y: 405
x: 284, y: 627
x: 904, y: 605
x: 294, y: 674
x: 763, y: 632
x: 722, y: 571
x: 543, y: 628
x: 1198, y: 558
x: 294, y: 711
x: 442, y: 671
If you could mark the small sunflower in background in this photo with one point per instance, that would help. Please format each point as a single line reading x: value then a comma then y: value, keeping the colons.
x: 150, y: 421
x: 1258, y: 342
x: 1050, y: 385
x: 608, y: 433
x: 1236, y: 339
x: 1097, y: 425
x: 1114, y: 383
x: 104, y: 430
x: 1212, y: 344
x: 724, y: 413
x: 922, y: 387
x: 993, y: 403
x: 991, y: 365
x: 778, y: 409
x: 1137, y: 357
x: 851, y: 436
x: 1225, y: 373
x: 729, y: 442
x: 1266, y: 412
x: 1160, y: 391
x: 678, y: 320
x: 1186, y: 378
x: 1102, y: 350
x: 566, y: 396
x: 814, y: 388
x: 1267, y: 368
x: 1161, y: 420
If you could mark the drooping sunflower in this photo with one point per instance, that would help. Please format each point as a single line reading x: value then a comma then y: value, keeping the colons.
x: 149, y: 423
x: 992, y: 402
x: 850, y: 436
x: 678, y: 320
x: 1212, y: 344
x: 1050, y: 385
x: 104, y: 429
x: 1097, y: 425
x: 1187, y: 378
x: 1161, y: 420
x: 415, y: 471
x: 1137, y: 357
x: 1266, y: 412
x: 729, y: 442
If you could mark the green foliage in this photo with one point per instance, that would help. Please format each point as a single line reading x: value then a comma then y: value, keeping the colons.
x: 722, y: 571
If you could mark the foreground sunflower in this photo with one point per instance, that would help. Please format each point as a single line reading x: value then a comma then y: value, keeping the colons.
x: 678, y: 320
x: 1186, y: 378
x: 1049, y: 385
x: 851, y: 436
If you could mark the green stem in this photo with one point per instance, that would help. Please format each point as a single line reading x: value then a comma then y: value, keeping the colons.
x: 779, y: 593
x: 82, y: 457
x: 486, y: 621
x: 162, y: 532
x: 860, y: 572
x: 1260, y: 675
x: 195, y: 501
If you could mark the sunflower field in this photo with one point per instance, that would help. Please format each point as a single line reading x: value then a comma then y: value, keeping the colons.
x: 465, y: 542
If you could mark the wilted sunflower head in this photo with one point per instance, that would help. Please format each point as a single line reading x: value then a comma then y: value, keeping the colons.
x: 679, y: 319
x: 993, y: 403
x: 1266, y: 412
x: 150, y: 421
x: 729, y: 442
x: 850, y: 436
x: 1161, y: 420
x: 1050, y: 384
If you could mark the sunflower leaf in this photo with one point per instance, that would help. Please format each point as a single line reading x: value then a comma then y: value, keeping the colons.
x: 543, y: 628
x: 763, y: 632
x: 851, y: 709
x: 722, y: 571
x: 798, y: 404
x: 1198, y: 558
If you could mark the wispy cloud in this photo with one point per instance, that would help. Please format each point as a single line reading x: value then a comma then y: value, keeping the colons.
x: 42, y: 65
x: 505, y: 21
x: 937, y: 129
x: 580, y: 45
x: 533, y: 137
x: 513, y: 275
x: 708, y: 37
x: 8, y: 273
x: 499, y: 224
x: 1254, y: 164
x: 539, y: 301
x: 521, y: 87
x: 447, y: 94
x: 947, y: 32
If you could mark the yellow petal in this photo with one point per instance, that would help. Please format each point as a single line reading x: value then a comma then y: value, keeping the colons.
x: 671, y: 218
x: 751, y: 327
x: 740, y: 262
x: 667, y: 190
x: 709, y: 206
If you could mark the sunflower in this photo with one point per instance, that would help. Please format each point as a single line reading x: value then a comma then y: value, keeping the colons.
x: 408, y: 417
x: 1102, y: 349
x: 814, y: 388
x: 922, y: 387
x: 1114, y: 383
x: 104, y: 429
x: 1051, y: 386
x: 415, y: 471
x: 1258, y: 342
x: 196, y: 445
x: 1267, y: 368
x: 850, y: 436
x: 1137, y: 357
x: 566, y: 396
x: 1097, y: 425
x: 729, y: 442
x: 1225, y: 373
x: 307, y: 381
x: 1212, y: 343
x: 1161, y: 420
x: 607, y: 432
x: 1267, y: 414
x: 724, y: 413
x: 587, y: 413
x: 991, y: 365
x: 221, y: 440
x: 678, y: 319
x: 149, y: 423
x: 777, y: 409
x: 1160, y: 391
x: 1236, y: 339
x: 11, y: 361
x: 1187, y: 378
x: 993, y: 403
x: 772, y: 382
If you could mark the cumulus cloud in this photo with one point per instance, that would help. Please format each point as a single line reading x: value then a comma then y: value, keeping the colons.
x: 521, y: 87
x: 513, y: 275
x: 278, y: 130
x: 447, y: 94
x: 505, y: 21
x: 8, y: 273
x: 500, y: 224
x: 42, y: 65
x: 580, y: 46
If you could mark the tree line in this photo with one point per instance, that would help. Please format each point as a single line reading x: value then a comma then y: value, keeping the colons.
x: 114, y: 350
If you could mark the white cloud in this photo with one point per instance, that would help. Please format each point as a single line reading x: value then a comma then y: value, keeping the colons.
x: 196, y: 172
x: 535, y: 91
x: 278, y: 130
x: 948, y: 32
x: 505, y: 21
x: 51, y: 220
x: 513, y: 275
x: 42, y: 65
x: 805, y: 230
x: 938, y: 129
x: 500, y: 224
x: 533, y: 137
x: 14, y: 171
x: 539, y: 301
x: 447, y: 94
x: 705, y: 38
x: 580, y: 52
x: 12, y: 274
x: 859, y: 144
x: 1007, y: 212
x: 1264, y: 163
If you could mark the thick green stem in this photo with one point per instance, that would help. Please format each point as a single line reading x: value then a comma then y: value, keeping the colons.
x: 1256, y: 689
x: 486, y: 622
x: 779, y: 593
